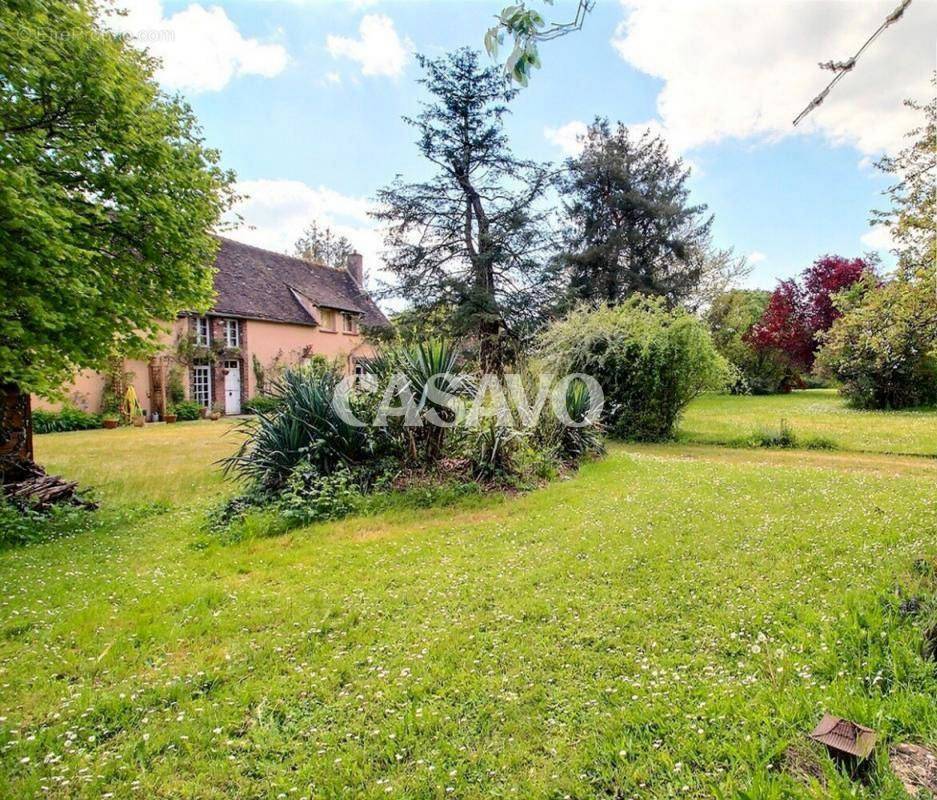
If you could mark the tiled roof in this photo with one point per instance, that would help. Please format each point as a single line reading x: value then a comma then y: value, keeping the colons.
x: 260, y: 284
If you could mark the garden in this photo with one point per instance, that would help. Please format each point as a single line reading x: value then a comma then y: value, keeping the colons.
x: 668, y: 621
x: 584, y: 519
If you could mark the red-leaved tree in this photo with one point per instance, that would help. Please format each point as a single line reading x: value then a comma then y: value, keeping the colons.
x: 827, y: 276
x: 784, y: 326
x: 797, y: 312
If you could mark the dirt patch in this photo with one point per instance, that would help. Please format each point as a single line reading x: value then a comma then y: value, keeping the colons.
x: 915, y: 766
x: 802, y: 762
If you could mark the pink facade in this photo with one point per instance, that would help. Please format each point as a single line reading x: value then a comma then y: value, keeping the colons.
x: 275, y: 345
x: 271, y: 312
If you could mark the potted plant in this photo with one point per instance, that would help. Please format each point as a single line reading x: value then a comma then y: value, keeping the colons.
x: 216, y: 411
x: 132, y: 408
x: 110, y: 421
x: 170, y: 415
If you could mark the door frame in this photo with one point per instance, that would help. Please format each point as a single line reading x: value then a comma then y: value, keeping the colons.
x: 229, y: 365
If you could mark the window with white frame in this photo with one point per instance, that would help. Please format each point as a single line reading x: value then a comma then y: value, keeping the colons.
x: 202, y: 332
x: 232, y: 336
x: 349, y: 323
x: 200, y: 389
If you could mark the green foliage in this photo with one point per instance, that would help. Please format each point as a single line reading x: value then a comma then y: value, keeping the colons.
x: 319, y: 244
x: 68, y: 419
x: 730, y: 318
x: 188, y: 410
x: 19, y: 526
x: 884, y: 350
x: 175, y: 390
x: 305, y: 428
x: 474, y: 235
x: 108, y: 196
x: 783, y: 437
x: 311, y: 497
x: 630, y: 226
x: 526, y: 27
x: 650, y: 362
x: 262, y: 404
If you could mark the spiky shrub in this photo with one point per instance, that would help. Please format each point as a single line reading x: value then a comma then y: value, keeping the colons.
x: 582, y: 440
x: 419, y: 363
x: 650, y: 362
x: 303, y: 428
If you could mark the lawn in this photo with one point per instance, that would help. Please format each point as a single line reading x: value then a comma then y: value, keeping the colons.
x: 818, y: 414
x: 663, y: 624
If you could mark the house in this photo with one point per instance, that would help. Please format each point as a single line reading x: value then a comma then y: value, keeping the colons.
x: 271, y: 311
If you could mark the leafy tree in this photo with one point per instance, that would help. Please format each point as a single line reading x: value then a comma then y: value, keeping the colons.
x: 884, y: 351
x: 321, y: 245
x: 798, y: 313
x: 730, y: 318
x: 631, y: 227
x: 884, y: 347
x: 472, y: 236
x: 914, y: 195
x: 827, y: 277
x: 108, y: 197
x: 720, y: 270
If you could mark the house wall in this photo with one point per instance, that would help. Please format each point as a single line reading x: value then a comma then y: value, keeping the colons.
x: 271, y: 342
x: 87, y: 388
x: 275, y: 342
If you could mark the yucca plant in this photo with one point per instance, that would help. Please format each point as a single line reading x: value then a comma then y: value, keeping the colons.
x: 577, y: 443
x: 420, y: 363
x: 303, y: 427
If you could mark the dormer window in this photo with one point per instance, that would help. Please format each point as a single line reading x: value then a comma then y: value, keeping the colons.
x: 327, y: 317
x: 349, y: 323
x: 202, y: 332
x: 232, y: 337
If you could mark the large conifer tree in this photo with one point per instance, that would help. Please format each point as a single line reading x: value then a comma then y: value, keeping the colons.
x: 471, y: 237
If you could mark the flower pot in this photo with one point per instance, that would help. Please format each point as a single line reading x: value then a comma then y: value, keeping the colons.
x: 138, y: 421
x: 170, y: 418
x: 215, y: 415
x: 110, y: 424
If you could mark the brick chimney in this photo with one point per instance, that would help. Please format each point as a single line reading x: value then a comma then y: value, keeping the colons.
x: 355, y: 267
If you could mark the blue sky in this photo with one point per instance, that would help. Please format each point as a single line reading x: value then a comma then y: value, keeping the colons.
x: 305, y: 99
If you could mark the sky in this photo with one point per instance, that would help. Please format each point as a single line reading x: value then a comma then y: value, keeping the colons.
x: 304, y: 99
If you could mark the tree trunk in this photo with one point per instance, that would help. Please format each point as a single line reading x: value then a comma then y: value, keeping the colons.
x: 16, y: 434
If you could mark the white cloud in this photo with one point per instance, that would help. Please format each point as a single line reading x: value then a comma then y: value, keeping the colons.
x: 275, y: 213
x: 333, y: 78
x: 201, y: 48
x: 878, y: 238
x: 567, y: 137
x: 358, y: 5
x: 745, y: 69
x: 379, y: 50
x: 755, y: 257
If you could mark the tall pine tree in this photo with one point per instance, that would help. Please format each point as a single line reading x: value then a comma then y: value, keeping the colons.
x: 472, y: 237
x: 630, y: 225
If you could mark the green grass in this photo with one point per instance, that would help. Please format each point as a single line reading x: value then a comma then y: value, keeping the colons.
x: 818, y: 416
x: 663, y: 624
